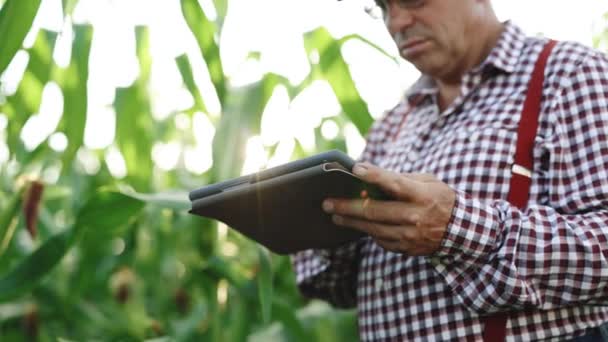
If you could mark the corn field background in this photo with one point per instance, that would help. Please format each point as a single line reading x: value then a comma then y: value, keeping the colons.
x: 89, y: 255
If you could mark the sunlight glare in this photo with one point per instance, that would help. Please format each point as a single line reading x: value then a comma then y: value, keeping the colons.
x: 50, y: 174
x: 12, y: 75
x: 256, y: 156
x: 49, y: 17
x: 182, y: 121
x: 115, y: 162
x: 118, y: 246
x: 58, y: 141
x: 222, y: 231
x: 62, y: 51
x: 275, y: 118
x: 330, y: 129
x: 222, y: 292
x: 199, y: 158
x: 229, y: 249
x: 166, y: 155
x: 209, y: 9
x: 88, y: 160
x: 180, y: 268
x: 355, y: 143
x: 39, y: 126
x: 100, y: 127
x: 3, y: 122
x: 4, y: 152
x: 283, y: 152
x: 317, y: 101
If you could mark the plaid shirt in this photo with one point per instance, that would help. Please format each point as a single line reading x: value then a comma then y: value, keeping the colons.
x: 547, y: 264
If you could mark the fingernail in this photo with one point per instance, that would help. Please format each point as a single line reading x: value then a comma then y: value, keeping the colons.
x: 360, y: 170
x: 328, y: 206
x: 337, y: 219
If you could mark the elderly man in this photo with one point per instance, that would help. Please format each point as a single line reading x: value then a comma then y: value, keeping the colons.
x: 497, y: 229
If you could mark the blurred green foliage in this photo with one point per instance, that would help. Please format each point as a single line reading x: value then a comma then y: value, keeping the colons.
x: 94, y: 257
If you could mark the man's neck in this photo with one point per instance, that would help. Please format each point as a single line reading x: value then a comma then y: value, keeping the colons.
x: 449, y: 85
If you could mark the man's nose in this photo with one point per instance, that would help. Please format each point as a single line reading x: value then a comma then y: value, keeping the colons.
x: 397, y: 19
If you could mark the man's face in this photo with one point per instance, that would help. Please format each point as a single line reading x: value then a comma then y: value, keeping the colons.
x: 434, y: 35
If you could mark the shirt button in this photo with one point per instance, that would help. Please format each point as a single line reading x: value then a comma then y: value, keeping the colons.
x: 378, y: 284
x: 412, y: 156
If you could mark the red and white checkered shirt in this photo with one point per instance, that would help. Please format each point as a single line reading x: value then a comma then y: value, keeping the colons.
x: 548, y: 264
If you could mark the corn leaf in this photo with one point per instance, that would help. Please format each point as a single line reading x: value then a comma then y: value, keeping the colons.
x: 240, y: 120
x: 205, y: 33
x: 264, y: 280
x: 8, y: 215
x: 73, y: 82
x: 16, y: 17
x: 134, y: 125
x: 104, y: 211
x: 334, y: 69
x: 185, y: 69
x: 26, y: 100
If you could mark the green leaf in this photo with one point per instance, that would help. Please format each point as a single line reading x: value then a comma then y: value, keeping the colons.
x: 27, y: 274
x: 26, y: 100
x: 8, y: 218
x: 171, y: 200
x: 185, y: 69
x: 335, y: 70
x: 41, y: 55
x: 68, y: 6
x: 104, y: 211
x: 16, y: 18
x: 221, y: 7
x: 161, y: 339
x: 241, y: 119
x: 107, y: 211
x: 264, y: 280
x: 368, y: 42
x: 204, y: 31
x: 73, y: 82
x: 290, y: 329
x: 134, y: 124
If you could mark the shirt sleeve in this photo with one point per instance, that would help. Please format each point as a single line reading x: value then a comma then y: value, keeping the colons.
x: 496, y: 257
x: 328, y: 274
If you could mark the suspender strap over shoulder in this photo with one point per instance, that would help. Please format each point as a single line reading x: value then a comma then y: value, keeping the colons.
x: 521, y: 172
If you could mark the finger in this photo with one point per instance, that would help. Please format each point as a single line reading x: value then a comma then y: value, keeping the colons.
x: 422, y: 177
x: 397, y: 185
x: 390, y: 212
x: 374, y: 229
x: 394, y: 246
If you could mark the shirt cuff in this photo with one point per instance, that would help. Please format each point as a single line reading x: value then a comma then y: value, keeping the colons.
x: 472, y: 233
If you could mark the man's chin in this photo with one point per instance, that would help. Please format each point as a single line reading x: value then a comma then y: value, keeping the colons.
x: 425, y: 65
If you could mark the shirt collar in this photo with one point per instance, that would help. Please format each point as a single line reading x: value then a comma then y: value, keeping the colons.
x: 507, y: 52
x: 504, y: 56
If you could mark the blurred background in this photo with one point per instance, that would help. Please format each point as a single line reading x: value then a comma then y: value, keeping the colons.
x: 111, y: 111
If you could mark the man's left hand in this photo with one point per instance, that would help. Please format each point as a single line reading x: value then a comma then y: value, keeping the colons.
x: 413, y: 223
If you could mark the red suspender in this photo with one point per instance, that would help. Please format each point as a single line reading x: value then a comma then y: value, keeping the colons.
x: 521, y: 172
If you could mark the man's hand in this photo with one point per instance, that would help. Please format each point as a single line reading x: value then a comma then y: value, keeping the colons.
x: 413, y: 223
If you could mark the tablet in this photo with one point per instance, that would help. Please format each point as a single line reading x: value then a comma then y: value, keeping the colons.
x: 280, y: 208
x: 325, y: 157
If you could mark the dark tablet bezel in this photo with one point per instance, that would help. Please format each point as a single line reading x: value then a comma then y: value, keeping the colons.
x: 297, y: 165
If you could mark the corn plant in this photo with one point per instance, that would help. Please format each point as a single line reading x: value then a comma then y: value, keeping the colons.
x: 92, y: 256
